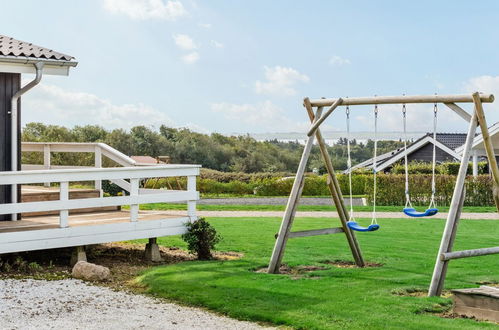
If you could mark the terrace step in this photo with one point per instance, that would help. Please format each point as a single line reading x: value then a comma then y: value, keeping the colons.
x: 42, y: 194
x: 481, y: 303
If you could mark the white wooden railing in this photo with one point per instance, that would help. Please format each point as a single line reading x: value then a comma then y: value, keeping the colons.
x: 133, y: 174
x: 98, y: 149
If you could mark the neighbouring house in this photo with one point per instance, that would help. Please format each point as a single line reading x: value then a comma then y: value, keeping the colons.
x: 419, y: 150
x: 478, y: 150
x: 39, y: 206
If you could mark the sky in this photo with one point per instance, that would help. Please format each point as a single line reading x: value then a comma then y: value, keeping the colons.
x: 245, y: 66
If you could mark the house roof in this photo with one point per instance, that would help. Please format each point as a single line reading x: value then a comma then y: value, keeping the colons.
x: 144, y: 159
x: 478, y: 141
x: 13, y: 47
x: 451, y: 140
x: 444, y: 141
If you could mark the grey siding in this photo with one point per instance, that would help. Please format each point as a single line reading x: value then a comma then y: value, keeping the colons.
x: 425, y: 154
x: 10, y: 83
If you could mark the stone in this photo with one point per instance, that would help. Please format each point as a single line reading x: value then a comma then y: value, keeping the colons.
x: 90, y: 272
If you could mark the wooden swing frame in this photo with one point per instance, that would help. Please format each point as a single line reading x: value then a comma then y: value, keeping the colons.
x: 445, y: 254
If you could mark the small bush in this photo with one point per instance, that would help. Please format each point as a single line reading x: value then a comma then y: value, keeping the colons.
x: 201, y: 238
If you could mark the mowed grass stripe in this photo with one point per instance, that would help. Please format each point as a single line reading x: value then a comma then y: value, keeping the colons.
x: 334, y: 297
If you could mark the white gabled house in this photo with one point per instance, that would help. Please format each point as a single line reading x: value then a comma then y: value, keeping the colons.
x: 39, y: 209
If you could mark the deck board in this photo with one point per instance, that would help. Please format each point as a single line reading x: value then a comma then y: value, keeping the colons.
x: 75, y: 220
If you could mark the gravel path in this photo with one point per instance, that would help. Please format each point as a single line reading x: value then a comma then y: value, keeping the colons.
x: 274, y: 201
x: 330, y: 214
x: 72, y: 304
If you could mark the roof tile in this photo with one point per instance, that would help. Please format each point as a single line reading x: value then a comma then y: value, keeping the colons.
x: 13, y: 47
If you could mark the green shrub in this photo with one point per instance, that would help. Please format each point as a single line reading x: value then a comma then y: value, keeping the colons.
x: 450, y: 168
x: 240, y: 176
x: 201, y: 238
x: 314, y: 185
x: 391, y: 190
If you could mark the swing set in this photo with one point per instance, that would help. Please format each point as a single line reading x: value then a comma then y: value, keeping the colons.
x: 348, y: 223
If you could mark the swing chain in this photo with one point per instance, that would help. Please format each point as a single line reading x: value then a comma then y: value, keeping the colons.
x: 434, y: 160
x: 373, y: 220
x: 349, y: 162
x: 406, y: 166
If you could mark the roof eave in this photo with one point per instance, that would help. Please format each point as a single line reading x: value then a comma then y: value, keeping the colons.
x: 20, y: 64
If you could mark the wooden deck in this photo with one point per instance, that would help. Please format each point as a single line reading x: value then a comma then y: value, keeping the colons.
x: 43, y: 232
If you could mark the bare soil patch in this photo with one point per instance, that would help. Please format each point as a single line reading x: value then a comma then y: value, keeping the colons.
x: 126, y: 261
x: 296, y: 272
x: 350, y: 264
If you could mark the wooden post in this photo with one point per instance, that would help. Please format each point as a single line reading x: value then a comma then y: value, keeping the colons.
x: 475, y: 163
x: 289, y: 213
x: 46, y: 160
x: 191, y: 205
x: 64, y: 196
x: 98, y: 164
x: 448, y: 236
x: 489, y: 148
x: 407, y: 99
x: 134, y: 191
x: 335, y: 190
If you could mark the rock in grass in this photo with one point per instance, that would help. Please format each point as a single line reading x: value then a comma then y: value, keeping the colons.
x: 90, y: 272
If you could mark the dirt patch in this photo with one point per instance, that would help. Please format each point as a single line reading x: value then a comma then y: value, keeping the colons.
x: 350, y: 264
x: 296, y: 272
x: 418, y: 292
x: 125, y: 261
x: 489, y: 283
x: 410, y: 292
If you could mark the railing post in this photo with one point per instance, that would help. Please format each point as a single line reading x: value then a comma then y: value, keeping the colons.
x: 191, y: 205
x: 134, y: 191
x: 64, y: 196
x: 98, y: 164
x: 46, y: 160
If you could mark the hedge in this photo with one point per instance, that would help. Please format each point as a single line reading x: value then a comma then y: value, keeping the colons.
x: 450, y: 168
x: 391, y: 188
x: 240, y: 176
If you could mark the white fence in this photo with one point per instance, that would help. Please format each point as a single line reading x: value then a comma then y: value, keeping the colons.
x: 133, y: 174
x: 98, y: 149
x: 24, y: 239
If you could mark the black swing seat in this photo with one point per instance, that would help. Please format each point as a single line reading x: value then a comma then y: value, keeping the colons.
x: 355, y: 226
x: 410, y: 211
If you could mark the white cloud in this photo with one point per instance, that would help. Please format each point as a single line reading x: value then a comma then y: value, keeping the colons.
x: 183, y: 41
x: 51, y: 104
x: 264, y: 116
x: 191, y: 58
x: 147, y: 9
x: 339, y: 61
x: 216, y: 44
x: 205, y: 25
x: 486, y: 84
x: 280, y: 81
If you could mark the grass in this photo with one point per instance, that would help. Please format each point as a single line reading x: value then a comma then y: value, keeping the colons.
x: 369, y: 298
x: 211, y: 195
x: 380, y: 208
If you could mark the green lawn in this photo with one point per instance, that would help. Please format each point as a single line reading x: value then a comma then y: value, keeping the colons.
x: 380, y: 208
x: 335, y: 297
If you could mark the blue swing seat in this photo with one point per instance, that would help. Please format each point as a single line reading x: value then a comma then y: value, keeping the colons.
x: 410, y: 211
x: 355, y: 226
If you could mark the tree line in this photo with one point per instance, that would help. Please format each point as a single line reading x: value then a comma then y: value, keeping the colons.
x: 240, y: 153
